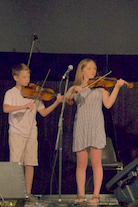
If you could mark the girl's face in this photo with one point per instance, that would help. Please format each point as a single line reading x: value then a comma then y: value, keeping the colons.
x: 89, y: 71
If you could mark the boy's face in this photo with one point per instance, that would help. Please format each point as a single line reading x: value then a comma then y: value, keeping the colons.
x: 23, y: 79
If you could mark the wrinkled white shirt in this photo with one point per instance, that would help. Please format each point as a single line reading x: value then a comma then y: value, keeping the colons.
x: 22, y: 122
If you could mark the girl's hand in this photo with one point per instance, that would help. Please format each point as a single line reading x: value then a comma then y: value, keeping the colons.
x: 77, y: 89
x: 120, y: 83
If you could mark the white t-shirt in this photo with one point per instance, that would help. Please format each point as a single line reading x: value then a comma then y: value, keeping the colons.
x: 22, y: 122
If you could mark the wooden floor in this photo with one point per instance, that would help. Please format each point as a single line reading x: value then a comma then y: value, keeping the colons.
x: 106, y: 200
x: 68, y: 201
x: 65, y: 200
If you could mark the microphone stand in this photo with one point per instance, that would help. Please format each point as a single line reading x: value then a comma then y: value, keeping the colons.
x: 31, y: 50
x: 59, y: 136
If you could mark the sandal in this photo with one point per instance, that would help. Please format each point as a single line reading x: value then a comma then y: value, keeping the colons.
x: 80, y: 199
x: 94, y: 200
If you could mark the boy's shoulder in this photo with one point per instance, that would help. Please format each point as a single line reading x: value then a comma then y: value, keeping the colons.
x: 12, y: 90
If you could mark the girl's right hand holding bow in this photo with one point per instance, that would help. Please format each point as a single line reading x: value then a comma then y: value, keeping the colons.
x: 72, y: 91
x: 77, y: 89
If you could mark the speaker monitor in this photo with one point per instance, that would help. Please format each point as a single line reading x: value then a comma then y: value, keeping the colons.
x: 125, y: 184
x: 12, y: 181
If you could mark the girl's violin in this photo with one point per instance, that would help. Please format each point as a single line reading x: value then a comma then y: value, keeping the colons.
x: 46, y: 94
x: 105, y: 82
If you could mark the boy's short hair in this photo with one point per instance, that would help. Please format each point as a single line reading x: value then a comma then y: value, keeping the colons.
x: 17, y: 69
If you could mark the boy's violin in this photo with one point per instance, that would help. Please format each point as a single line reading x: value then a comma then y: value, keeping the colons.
x: 33, y: 91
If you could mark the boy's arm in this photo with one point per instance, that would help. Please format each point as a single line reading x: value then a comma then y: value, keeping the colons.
x: 7, y: 108
x: 45, y: 111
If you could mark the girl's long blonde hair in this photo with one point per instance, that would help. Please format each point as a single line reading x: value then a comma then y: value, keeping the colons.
x: 79, y: 73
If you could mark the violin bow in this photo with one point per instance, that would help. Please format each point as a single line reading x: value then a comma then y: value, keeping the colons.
x: 98, y: 79
x: 42, y: 85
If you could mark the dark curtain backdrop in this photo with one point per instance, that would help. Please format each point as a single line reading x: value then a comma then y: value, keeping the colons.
x: 121, y: 121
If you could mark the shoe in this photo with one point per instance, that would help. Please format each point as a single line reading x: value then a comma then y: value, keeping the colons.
x: 94, y: 200
x: 32, y: 199
x: 80, y: 199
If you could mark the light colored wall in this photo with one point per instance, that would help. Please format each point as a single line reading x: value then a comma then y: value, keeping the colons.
x: 69, y: 26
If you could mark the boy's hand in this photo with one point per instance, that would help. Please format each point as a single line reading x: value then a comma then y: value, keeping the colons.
x: 29, y: 106
x: 59, y: 98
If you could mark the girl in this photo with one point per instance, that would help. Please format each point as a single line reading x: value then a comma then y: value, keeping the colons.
x: 89, y: 132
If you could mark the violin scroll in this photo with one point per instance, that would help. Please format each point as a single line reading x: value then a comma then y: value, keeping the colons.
x: 69, y: 101
x: 130, y: 85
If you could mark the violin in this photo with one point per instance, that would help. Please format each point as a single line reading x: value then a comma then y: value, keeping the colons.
x: 105, y: 82
x: 33, y: 91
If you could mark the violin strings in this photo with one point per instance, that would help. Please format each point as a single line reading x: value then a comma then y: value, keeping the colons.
x: 49, y: 92
x: 112, y: 79
x: 98, y: 79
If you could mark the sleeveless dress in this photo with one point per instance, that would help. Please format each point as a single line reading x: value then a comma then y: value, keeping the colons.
x: 89, y: 129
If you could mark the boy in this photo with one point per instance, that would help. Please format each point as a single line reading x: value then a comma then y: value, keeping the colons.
x: 22, y: 124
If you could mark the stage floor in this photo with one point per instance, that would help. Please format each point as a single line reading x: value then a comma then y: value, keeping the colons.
x: 68, y: 201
